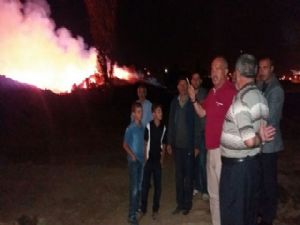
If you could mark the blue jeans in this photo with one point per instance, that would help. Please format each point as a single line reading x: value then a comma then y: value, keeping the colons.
x: 200, y: 180
x: 135, y: 169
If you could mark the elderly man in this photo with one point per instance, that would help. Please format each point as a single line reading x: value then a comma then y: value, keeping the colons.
x: 244, y: 132
x: 214, y: 108
x: 274, y: 94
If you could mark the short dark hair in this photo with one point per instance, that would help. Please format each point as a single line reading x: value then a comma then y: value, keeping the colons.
x: 180, y: 78
x: 195, y: 73
x: 143, y: 86
x: 135, y: 105
x: 155, y: 106
x: 267, y: 58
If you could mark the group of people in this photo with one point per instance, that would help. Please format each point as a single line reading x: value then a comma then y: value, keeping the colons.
x: 225, y: 144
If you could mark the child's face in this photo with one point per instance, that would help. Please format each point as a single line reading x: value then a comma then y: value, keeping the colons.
x: 158, y: 114
x: 137, y: 114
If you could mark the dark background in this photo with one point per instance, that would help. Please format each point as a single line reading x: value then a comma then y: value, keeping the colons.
x: 187, y: 34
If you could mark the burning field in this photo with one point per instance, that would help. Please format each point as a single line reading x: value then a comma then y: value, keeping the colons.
x: 36, y: 52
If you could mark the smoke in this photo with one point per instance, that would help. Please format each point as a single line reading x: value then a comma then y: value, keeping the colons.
x: 34, y: 51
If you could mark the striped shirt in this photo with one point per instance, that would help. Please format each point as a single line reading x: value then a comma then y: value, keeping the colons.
x: 248, y: 110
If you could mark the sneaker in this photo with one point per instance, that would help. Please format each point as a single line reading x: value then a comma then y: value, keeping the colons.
x: 195, y: 192
x: 176, y: 211
x: 205, y: 197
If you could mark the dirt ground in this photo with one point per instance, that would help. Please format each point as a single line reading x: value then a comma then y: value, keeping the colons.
x: 83, y: 194
x: 81, y: 177
x: 96, y: 195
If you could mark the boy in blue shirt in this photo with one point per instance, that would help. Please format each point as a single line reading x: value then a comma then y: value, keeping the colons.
x: 155, y: 139
x: 134, y: 146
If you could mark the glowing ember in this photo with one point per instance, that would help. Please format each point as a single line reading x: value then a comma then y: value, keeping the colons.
x: 33, y: 51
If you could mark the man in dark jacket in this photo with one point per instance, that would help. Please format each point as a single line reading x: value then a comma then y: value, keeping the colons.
x: 200, y: 177
x: 273, y: 92
x: 181, y: 142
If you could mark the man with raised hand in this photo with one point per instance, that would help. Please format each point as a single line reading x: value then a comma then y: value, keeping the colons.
x: 214, y: 107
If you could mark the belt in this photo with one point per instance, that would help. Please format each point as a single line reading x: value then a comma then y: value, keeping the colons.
x: 240, y: 160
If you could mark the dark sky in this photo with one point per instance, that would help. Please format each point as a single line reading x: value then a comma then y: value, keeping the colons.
x: 158, y: 33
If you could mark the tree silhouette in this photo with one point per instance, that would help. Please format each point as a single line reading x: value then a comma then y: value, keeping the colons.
x: 102, y: 20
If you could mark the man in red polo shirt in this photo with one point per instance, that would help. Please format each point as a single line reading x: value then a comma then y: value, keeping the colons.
x: 215, y: 107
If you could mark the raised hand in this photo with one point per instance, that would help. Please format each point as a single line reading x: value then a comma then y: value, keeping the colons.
x: 191, y: 92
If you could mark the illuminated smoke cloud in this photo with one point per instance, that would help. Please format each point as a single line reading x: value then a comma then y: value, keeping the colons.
x: 34, y: 51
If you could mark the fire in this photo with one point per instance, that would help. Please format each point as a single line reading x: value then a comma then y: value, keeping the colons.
x: 34, y: 51
x: 125, y: 73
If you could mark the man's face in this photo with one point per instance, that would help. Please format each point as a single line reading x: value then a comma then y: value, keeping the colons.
x: 158, y: 114
x: 196, y: 80
x: 218, y: 72
x: 137, y: 113
x: 141, y: 92
x: 237, y: 82
x: 265, y: 69
x: 182, y: 87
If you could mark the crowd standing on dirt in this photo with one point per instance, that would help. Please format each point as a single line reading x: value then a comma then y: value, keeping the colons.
x: 225, y: 144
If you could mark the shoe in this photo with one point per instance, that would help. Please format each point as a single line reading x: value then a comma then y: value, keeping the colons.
x: 195, y: 192
x: 176, y: 211
x: 185, y: 212
x: 139, y: 215
x: 154, y: 215
x: 205, y: 197
x: 132, y: 221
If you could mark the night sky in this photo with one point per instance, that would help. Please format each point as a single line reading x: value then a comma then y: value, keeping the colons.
x: 187, y: 34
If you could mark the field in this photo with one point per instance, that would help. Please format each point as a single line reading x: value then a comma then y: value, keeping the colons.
x: 62, y: 161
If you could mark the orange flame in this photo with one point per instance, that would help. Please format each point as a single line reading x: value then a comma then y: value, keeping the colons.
x: 125, y: 73
x: 33, y: 51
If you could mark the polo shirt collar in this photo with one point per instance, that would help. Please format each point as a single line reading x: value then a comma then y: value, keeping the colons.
x: 224, y: 86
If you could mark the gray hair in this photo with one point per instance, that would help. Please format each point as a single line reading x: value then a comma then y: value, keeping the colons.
x: 224, y: 61
x: 247, y: 65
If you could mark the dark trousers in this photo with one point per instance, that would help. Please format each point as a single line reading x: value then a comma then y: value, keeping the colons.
x: 151, y: 169
x: 269, y: 187
x: 184, y: 170
x: 239, y: 192
x: 200, y: 179
x: 135, y: 170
